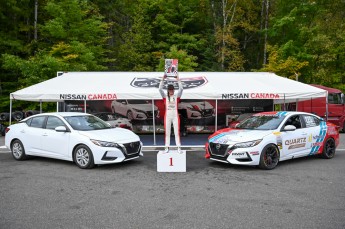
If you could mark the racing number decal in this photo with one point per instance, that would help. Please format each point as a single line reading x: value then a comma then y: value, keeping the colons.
x: 171, y: 161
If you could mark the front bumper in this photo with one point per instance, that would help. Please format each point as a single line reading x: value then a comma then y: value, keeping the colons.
x: 110, y: 155
x: 240, y: 156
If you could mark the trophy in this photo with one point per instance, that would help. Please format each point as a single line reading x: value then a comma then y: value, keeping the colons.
x: 171, y: 68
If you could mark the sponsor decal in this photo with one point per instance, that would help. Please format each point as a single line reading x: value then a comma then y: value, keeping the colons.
x: 332, y: 130
x: 310, y: 138
x: 255, y: 153
x: 296, y: 146
x: 317, y: 144
x: 322, y: 134
x: 296, y: 143
x: 317, y: 137
x: 250, y: 96
x: 88, y: 97
x: 277, y: 133
x: 238, y: 154
x: 187, y: 83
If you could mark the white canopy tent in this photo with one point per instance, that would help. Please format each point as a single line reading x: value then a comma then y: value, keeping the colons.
x: 88, y: 86
x: 144, y: 85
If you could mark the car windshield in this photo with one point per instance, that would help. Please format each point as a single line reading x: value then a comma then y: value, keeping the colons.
x: 87, y: 122
x: 261, y: 122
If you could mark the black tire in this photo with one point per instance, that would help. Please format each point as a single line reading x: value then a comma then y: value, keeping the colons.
x: 18, y: 115
x: 269, y: 157
x: 31, y: 112
x: 328, y: 149
x: 18, y: 151
x: 130, y: 116
x: 5, y: 116
x: 83, y: 157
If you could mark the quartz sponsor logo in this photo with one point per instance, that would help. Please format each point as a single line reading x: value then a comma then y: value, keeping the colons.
x: 250, y: 96
x: 296, y: 143
x: 88, y: 97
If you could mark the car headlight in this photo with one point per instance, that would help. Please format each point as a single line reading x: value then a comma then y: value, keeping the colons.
x: 246, y: 144
x: 104, y: 144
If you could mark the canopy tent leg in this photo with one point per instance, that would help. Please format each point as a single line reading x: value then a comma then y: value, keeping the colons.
x: 296, y: 104
x: 10, y: 111
x: 284, y: 103
x: 84, y: 106
x: 216, y: 121
x: 40, y: 106
x: 154, y: 122
x: 57, y: 106
x: 326, y: 105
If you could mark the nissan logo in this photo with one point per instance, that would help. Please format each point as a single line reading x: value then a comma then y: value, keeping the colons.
x: 218, y: 146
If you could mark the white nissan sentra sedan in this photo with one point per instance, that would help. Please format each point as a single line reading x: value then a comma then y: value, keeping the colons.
x: 78, y: 137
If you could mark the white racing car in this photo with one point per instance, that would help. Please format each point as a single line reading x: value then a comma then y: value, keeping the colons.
x: 134, y: 109
x: 114, y: 120
x: 197, y: 109
x: 269, y: 137
x: 78, y: 137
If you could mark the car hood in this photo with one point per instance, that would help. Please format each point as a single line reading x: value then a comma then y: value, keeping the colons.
x: 143, y: 107
x: 234, y: 136
x: 200, y: 105
x: 118, y: 135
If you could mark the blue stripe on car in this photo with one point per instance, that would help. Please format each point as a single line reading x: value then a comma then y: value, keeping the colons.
x: 322, y: 135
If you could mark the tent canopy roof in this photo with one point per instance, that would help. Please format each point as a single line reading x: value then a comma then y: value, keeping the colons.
x: 144, y: 85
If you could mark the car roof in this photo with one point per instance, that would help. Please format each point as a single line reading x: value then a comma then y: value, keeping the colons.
x: 284, y: 113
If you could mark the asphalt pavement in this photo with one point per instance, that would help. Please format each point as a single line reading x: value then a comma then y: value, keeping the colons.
x: 45, y: 193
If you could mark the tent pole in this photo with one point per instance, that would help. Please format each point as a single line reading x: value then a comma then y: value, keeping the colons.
x: 326, y: 105
x: 154, y: 122
x: 57, y: 106
x: 85, y: 106
x: 296, y: 104
x: 40, y: 106
x: 284, y: 103
x: 216, y: 121
x: 10, y: 111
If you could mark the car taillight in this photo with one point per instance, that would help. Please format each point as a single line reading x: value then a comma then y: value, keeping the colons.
x: 7, y: 129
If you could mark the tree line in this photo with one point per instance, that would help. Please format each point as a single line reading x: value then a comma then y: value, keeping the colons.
x: 302, y: 40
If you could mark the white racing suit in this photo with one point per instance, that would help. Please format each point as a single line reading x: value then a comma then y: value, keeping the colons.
x: 171, y: 114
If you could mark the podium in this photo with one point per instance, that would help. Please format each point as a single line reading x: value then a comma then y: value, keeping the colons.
x: 171, y: 161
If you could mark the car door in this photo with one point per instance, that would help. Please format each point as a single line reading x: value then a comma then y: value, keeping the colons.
x: 121, y: 107
x: 55, y: 144
x: 32, y: 136
x: 295, y: 143
x: 316, y: 132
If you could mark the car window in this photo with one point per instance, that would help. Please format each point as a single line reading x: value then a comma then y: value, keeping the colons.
x: 37, y: 122
x: 53, y: 122
x: 87, y: 122
x: 28, y: 122
x: 294, y: 121
x: 311, y: 121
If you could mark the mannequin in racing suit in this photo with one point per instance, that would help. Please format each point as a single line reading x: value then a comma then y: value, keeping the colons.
x: 171, y: 114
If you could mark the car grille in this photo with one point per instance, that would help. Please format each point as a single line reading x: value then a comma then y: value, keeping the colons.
x: 149, y: 114
x: 218, y: 149
x: 132, y: 148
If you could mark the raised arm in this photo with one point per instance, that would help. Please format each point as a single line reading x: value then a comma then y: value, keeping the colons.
x: 180, y: 87
x: 161, y: 88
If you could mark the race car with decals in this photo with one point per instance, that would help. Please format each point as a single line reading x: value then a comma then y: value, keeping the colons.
x: 266, y: 138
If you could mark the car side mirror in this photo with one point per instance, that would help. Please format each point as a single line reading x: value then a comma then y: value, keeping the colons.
x: 289, y: 128
x: 60, y: 129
